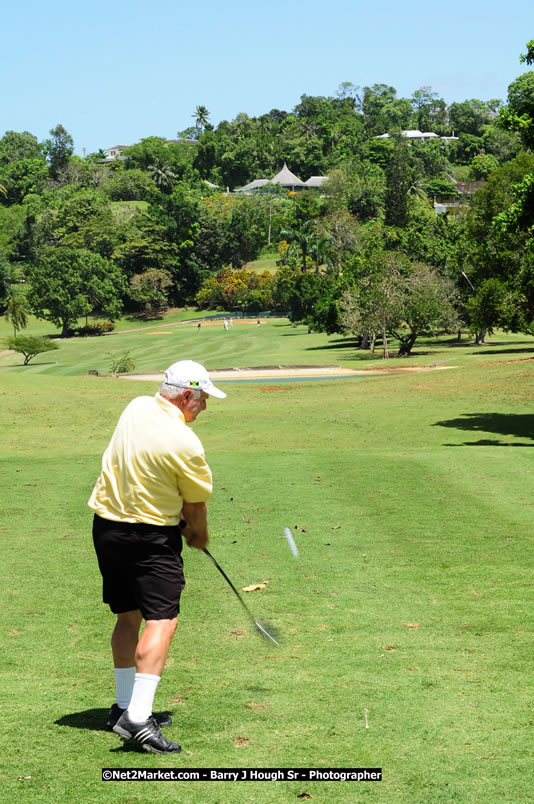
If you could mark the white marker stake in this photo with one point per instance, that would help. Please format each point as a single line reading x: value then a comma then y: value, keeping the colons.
x: 291, y: 542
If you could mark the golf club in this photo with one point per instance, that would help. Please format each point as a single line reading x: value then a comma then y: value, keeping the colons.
x: 264, y: 629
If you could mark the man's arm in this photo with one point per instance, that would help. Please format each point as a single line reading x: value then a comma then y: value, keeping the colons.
x: 196, y: 532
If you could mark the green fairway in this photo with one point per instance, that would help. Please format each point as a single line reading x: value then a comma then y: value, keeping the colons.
x: 267, y: 262
x: 407, y: 616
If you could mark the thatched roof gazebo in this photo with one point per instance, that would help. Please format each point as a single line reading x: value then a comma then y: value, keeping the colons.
x: 285, y: 178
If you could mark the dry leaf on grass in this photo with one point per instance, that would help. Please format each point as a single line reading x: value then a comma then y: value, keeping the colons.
x: 305, y: 795
x: 254, y: 587
x: 176, y: 699
x: 412, y: 625
x: 256, y: 707
x: 241, y: 742
x: 389, y: 647
x: 237, y: 632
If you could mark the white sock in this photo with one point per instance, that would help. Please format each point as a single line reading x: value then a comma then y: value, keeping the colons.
x: 124, y: 681
x: 144, y: 689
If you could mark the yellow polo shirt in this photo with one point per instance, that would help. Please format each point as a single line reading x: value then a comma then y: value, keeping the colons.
x: 153, y: 463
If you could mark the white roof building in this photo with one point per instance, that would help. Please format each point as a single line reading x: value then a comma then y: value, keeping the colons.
x: 316, y: 181
x: 415, y: 134
x: 285, y: 178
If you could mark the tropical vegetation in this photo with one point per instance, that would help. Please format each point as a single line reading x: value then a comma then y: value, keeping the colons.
x: 404, y: 235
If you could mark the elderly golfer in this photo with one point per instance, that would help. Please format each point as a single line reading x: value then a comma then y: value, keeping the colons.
x: 153, y: 488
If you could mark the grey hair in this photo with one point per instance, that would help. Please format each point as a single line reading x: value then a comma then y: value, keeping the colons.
x: 172, y: 391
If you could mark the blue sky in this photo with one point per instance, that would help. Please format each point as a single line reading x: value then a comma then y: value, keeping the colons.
x: 112, y: 73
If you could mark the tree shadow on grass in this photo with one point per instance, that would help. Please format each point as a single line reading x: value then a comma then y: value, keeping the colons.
x: 352, y: 345
x: 518, y: 425
x: 21, y: 365
x: 509, y: 351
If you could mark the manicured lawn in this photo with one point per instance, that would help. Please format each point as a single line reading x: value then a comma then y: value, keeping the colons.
x: 410, y: 603
x: 267, y: 262
x: 154, y: 345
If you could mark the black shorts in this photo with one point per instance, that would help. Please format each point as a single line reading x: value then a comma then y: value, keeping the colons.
x: 141, y: 567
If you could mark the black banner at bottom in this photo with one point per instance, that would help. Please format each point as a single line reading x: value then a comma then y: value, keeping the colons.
x: 242, y: 774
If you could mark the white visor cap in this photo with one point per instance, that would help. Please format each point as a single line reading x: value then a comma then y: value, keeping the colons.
x: 188, y: 374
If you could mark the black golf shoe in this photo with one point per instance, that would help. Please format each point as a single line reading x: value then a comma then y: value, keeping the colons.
x: 116, y: 712
x: 147, y: 735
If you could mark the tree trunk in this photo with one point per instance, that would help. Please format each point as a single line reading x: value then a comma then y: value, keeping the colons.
x: 372, y: 345
x: 459, y: 335
x: 365, y: 341
x: 407, y: 345
x: 481, y: 336
x: 385, y: 344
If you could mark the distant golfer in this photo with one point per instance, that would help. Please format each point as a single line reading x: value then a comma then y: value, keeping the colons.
x: 226, y: 325
x: 152, y: 489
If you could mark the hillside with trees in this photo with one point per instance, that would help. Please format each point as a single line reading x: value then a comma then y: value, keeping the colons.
x: 406, y: 234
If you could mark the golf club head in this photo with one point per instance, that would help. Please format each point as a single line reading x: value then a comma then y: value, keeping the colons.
x: 267, y: 631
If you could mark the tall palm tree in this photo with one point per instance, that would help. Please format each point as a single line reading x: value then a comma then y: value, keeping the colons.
x: 417, y: 189
x: 17, y: 312
x: 302, y: 238
x: 201, y: 116
x: 163, y: 175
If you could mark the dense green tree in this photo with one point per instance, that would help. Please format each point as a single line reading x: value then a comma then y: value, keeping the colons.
x: 84, y: 221
x: 149, y: 289
x: 471, y: 116
x: 503, y: 145
x: 499, y: 242
x: 481, y: 166
x: 398, y: 183
x: 400, y: 303
x: 519, y: 113
x: 156, y: 151
x: 128, y: 185
x: 15, y: 146
x: 59, y: 148
x: 312, y: 301
x: 429, y: 110
x: 67, y: 283
x: 6, y: 282
x: 383, y: 111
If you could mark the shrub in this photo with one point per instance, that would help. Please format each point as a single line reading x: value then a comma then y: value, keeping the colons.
x: 96, y: 328
x: 30, y: 346
x: 122, y: 364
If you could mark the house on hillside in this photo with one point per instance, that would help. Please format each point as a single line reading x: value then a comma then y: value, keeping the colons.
x: 117, y: 151
x: 454, y: 203
x: 418, y: 136
x: 114, y: 153
x: 285, y: 178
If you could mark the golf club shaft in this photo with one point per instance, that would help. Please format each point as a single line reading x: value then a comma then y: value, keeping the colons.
x: 258, y: 626
x: 227, y: 579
